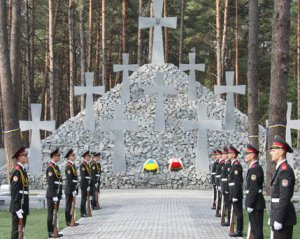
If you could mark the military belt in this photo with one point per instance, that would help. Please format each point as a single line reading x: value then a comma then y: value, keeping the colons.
x: 276, y: 200
x: 57, y: 182
x: 231, y: 184
x: 88, y: 177
x: 224, y: 179
x: 23, y: 192
x: 98, y: 175
x: 218, y: 176
x: 259, y: 191
x: 74, y: 181
x: 213, y: 173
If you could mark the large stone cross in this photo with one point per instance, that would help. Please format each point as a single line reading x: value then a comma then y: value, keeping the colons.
x: 119, y: 125
x: 89, y: 90
x: 35, y: 159
x: 161, y: 91
x: 192, y: 67
x: 230, y: 89
x: 125, y: 68
x: 157, y: 22
x: 202, y: 124
x: 290, y: 124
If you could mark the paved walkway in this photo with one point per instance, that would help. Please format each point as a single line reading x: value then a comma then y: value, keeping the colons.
x: 151, y: 214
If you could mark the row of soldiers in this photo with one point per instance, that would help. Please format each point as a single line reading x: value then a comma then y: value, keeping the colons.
x: 227, y: 180
x: 90, y: 172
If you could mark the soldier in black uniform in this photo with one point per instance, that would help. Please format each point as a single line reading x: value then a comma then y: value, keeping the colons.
x: 219, y: 170
x: 19, y: 204
x: 71, y: 189
x: 236, y: 190
x: 85, y: 182
x: 255, y: 201
x: 95, y: 184
x: 283, y: 215
x: 54, y: 190
x: 213, y: 177
x: 225, y: 186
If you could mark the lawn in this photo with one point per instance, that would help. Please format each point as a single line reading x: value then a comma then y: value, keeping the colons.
x: 266, y: 227
x: 36, y: 227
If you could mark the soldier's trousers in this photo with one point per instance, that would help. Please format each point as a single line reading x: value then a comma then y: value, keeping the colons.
x: 227, y: 205
x: 238, y: 211
x: 83, y: 201
x: 15, y: 224
x: 256, y: 219
x: 50, y: 206
x: 69, y: 199
x: 219, y: 200
x: 215, y: 192
x: 284, y: 233
x: 94, y: 197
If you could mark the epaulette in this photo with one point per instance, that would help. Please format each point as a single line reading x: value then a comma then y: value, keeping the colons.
x: 228, y: 162
x: 284, y: 166
x: 222, y: 161
x: 69, y: 164
x: 50, y: 164
x: 236, y: 162
x: 17, y: 167
x: 253, y: 165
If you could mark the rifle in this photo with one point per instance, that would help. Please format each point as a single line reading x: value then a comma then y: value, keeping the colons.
x: 271, y: 234
x: 250, y: 234
x: 73, y: 211
x: 223, y: 210
x: 21, y: 231
x: 89, y: 210
x: 55, y: 210
x: 232, y: 221
x: 217, y: 203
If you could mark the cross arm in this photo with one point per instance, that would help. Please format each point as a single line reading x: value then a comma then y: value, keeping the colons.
x: 146, y: 22
x: 294, y: 124
x: 170, y: 22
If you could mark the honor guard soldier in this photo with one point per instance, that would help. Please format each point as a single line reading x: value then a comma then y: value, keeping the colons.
x: 255, y: 201
x: 224, y: 184
x: 283, y: 215
x: 85, y: 182
x: 213, y: 177
x: 71, y: 189
x: 54, y: 192
x: 96, y: 171
x: 19, y: 203
x: 236, y: 190
x: 219, y: 169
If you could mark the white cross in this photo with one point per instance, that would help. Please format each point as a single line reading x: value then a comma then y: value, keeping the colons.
x: 290, y: 124
x: 89, y: 90
x: 202, y: 124
x: 35, y: 159
x: 230, y: 89
x: 192, y: 67
x: 125, y: 90
x: 162, y: 91
x: 119, y: 125
x: 157, y: 22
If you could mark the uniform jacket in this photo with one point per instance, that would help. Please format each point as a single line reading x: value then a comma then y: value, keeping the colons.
x: 85, y: 174
x: 235, y: 181
x: 54, y: 180
x: 71, y: 178
x: 214, y: 172
x: 19, y: 190
x: 254, y: 187
x: 283, y: 182
x: 224, y: 177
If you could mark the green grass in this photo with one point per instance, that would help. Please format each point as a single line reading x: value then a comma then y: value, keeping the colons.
x: 36, y: 225
x: 267, y: 229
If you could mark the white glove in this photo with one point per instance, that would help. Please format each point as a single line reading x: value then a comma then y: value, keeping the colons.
x: 219, y: 188
x: 55, y: 199
x: 249, y: 209
x: 88, y: 189
x: 74, y: 193
x: 269, y: 222
x: 234, y: 199
x: 96, y: 185
x: 277, y: 226
x: 19, y: 213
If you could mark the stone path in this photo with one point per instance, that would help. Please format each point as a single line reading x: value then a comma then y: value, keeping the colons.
x: 151, y: 213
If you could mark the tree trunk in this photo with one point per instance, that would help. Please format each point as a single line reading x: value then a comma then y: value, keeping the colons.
x: 150, y: 33
x: 140, y: 38
x: 90, y: 39
x: 71, y: 56
x: 15, y: 54
x: 236, y: 50
x: 252, y: 73
x: 298, y: 69
x: 98, y: 42
x: 218, y: 43
x: 51, y: 63
x: 279, y: 76
x: 182, y: 6
x: 104, y: 47
x: 82, y: 52
x: 166, y: 34
x: 124, y: 25
x: 224, y: 35
x: 12, y: 136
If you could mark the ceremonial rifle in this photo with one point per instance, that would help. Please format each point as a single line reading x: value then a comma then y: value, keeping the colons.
x: 21, y: 231
x: 222, y: 210
x: 55, y: 210
x: 89, y: 210
x: 232, y: 221
x: 250, y: 234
